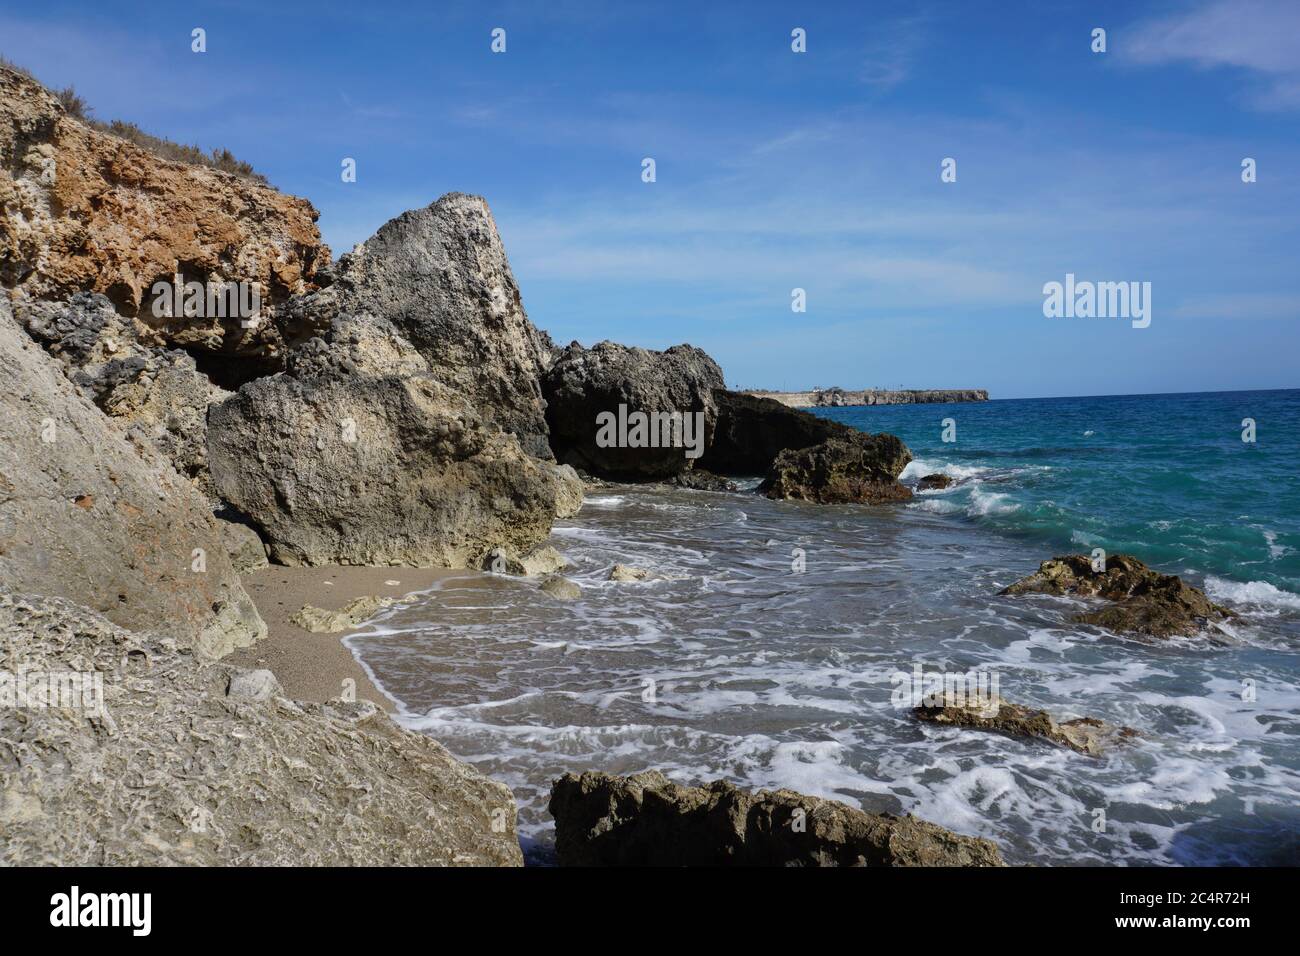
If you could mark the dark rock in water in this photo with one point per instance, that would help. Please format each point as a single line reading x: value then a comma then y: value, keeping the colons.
x: 180, y: 761
x: 935, y: 480
x: 752, y: 431
x: 440, y: 276
x: 646, y: 820
x: 1086, y: 735
x: 864, y: 469
x: 583, y: 384
x: 88, y: 514
x: 700, y: 480
x: 1147, y: 602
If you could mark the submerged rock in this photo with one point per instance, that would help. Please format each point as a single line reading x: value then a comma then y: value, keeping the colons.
x: 174, y: 770
x: 320, y: 621
x: 87, y: 513
x: 583, y: 384
x: 1146, y: 601
x: 1086, y: 735
x: 560, y: 588
x: 544, y: 560
x: 624, y: 572
x: 865, y: 470
x: 935, y: 480
x: 698, y: 479
x: 646, y: 820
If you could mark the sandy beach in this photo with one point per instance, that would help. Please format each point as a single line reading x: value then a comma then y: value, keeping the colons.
x: 311, y: 666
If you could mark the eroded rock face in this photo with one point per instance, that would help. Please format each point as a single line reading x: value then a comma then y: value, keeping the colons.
x: 84, y: 211
x: 88, y: 513
x: 1085, y: 735
x: 341, y: 468
x: 155, y: 391
x: 441, y: 277
x: 864, y: 469
x: 583, y: 384
x: 1146, y: 602
x: 193, y: 763
x: 646, y: 820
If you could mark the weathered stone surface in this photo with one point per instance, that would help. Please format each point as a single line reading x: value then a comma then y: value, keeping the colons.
x: 560, y: 588
x: 320, y: 621
x: 88, y: 514
x: 339, y: 468
x: 544, y: 560
x: 569, y: 491
x: 246, y: 550
x: 935, y: 480
x: 646, y: 820
x: 84, y: 211
x: 441, y: 277
x: 157, y: 392
x: 1146, y: 602
x: 254, y: 685
x: 752, y: 431
x: 177, y: 772
x: 584, y: 383
x: 625, y: 573
x: 1086, y: 735
x: 865, y: 469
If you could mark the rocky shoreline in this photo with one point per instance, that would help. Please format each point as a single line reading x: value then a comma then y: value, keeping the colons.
x: 843, y: 397
x: 379, y: 420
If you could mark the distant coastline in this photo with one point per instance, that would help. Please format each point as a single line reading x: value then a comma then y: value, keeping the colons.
x: 831, y: 397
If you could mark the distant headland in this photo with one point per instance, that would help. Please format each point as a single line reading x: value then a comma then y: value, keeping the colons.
x: 823, y: 397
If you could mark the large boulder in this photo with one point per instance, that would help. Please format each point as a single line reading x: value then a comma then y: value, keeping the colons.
x: 612, y: 383
x: 441, y: 277
x: 646, y: 820
x: 82, y: 210
x: 752, y: 431
x: 1146, y: 602
x: 89, y: 514
x: 152, y: 757
x: 354, y: 456
x: 863, y: 469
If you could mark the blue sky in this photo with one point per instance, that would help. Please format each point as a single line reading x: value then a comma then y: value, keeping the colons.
x: 778, y: 170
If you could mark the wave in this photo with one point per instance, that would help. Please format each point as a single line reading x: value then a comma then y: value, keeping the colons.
x: 1256, y: 593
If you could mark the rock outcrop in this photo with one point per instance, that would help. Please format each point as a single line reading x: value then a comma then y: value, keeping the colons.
x: 646, y: 820
x: 933, y: 482
x: 441, y: 277
x: 864, y: 469
x: 89, y: 514
x: 752, y: 431
x: 1085, y: 735
x: 193, y: 763
x: 560, y: 588
x: 1145, y: 601
x: 84, y: 211
x: 320, y: 621
x: 583, y: 384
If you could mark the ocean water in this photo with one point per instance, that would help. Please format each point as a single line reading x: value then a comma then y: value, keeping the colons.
x: 767, y: 652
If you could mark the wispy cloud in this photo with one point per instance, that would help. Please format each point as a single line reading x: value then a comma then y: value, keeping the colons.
x: 1259, y: 36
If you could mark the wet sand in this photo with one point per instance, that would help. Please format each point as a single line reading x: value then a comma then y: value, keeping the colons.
x: 311, y: 666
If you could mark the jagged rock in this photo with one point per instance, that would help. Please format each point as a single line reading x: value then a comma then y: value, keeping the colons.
x: 441, y: 277
x: 1147, y: 602
x: 570, y: 491
x: 254, y: 685
x: 625, y: 573
x: 584, y: 383
x: 245, y: 547
x: 1086, y: 735
x: 544, y: 560
x: 935, y: 480
x: 173, y: 771
x: 88, y: 514
x: 752, y: 431
x: 560, y: 588
x: 338, y: 468
x: 865, y: 469
x: 156, y: 391
x: 85, y: 211
x: 320, y: 621
x: 646, y: 820
x: 700, y: 480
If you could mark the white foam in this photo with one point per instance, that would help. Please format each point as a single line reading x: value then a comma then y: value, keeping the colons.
x: 1259, y: 593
